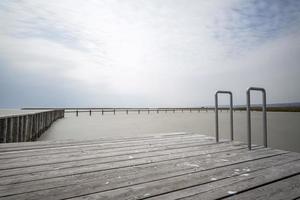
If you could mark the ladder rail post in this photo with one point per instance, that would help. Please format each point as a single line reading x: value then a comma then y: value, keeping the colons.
x: 216, y: 117
x: 231, y: 117
x: 217, y: 114
x: 264, y: 98
x: 248, y: 120
x: 264, y: 110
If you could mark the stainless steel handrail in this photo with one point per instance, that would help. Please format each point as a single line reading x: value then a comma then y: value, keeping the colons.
x: 264, y: 108
x: 217, y: 117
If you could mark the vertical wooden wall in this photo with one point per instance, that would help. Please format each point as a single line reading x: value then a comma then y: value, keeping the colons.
x: 28, y: 127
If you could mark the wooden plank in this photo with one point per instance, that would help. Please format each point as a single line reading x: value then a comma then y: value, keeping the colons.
x: 91, y: 161
x: 162, y: 187
x: 285, y: 189
x: 76, y: 170
x: 101, y: 143
x: 64, y: 142
x: 112, y: 148
x: 4, y: 148
x: 136, y: 175
x: 64, y: 169
x: 80, y: 150
x: 123, y: 187
x: 102, y: 154
x: 165, y: 167
x: 81, y: 164
x: 88, y: 143
x: 124, y: 139
x: 241, y: 182
x: 100, y: 146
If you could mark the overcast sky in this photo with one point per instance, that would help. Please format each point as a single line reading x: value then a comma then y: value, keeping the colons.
x: 147, y: 52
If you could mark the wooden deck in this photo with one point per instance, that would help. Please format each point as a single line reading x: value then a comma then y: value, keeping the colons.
x: 165, y: 166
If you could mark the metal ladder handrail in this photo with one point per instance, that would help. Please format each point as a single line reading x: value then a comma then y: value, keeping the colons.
x: 217, y: 117
x: 249, y: 115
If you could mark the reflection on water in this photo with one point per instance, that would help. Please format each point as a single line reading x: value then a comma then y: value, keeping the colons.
x: 283, y: 127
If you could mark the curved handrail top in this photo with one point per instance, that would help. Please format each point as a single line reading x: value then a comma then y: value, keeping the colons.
x: 257, y: 89
x: 223, y: 92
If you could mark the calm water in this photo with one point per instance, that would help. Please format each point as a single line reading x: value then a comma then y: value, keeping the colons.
x: 283, y: 127
x: 13, y: 112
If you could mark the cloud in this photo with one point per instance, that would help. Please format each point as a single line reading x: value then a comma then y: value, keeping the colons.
x: 249, y: 24
x: 140, y: 53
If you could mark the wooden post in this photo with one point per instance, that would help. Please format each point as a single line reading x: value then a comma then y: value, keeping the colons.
x: 15, y: 129
x: 102, y: 111
x: 127, y: 112
x: 30, y: 127
x: 3, y: 130
x: 21, y: 125
x: 114, y: 111
x: 10, y: 130
x: 40, y: 124
x: 47, y: 120
x: 26, y: 128
x: 43, y: 122
x: 76, y: 113
x: 90, y: 112
x: 36, y: 127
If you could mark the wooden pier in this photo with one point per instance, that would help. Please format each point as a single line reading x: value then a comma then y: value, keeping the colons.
x: 27, y: 126
x: 163, y: 166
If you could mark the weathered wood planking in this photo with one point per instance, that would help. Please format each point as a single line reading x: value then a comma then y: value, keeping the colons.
x: 166, y: 166
x: 43, y: 145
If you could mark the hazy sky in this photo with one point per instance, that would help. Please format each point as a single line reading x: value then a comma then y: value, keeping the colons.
x: 147, y: 52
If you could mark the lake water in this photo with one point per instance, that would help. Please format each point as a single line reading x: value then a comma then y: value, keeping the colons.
x: 283, y: 127
x: 16, y: 112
